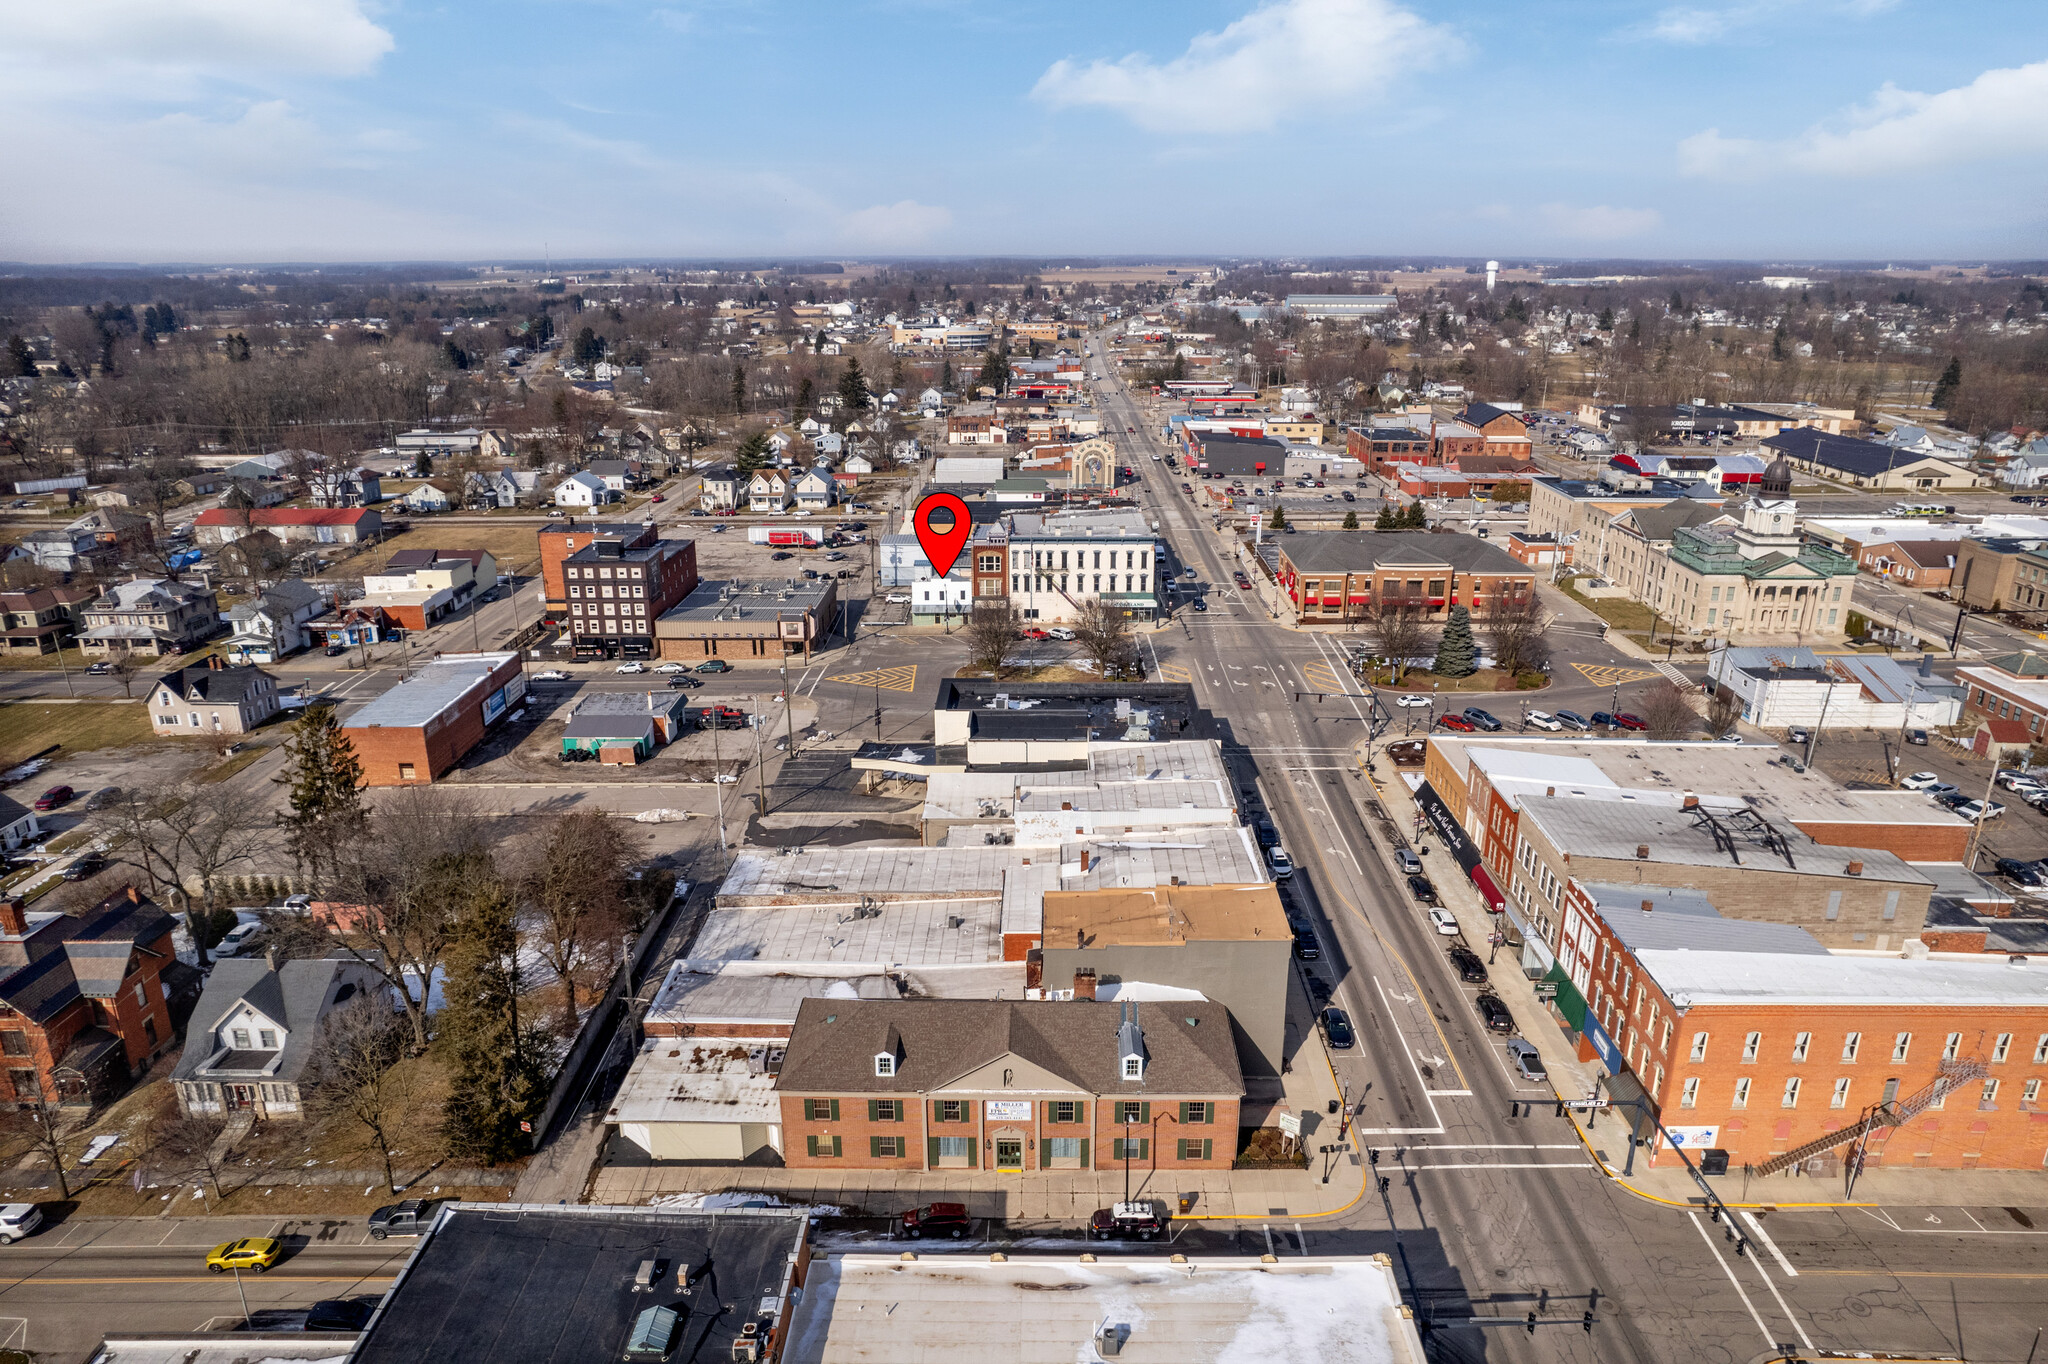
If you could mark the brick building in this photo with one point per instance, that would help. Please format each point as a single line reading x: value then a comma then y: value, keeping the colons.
x: 2011, y: 687
x: 1336, y: 577
x: 424, y: 725
x: 617, y: 592
x: 88, y: 998
x: 558, y: 542
x: 1752, y: 1039
x: 1004, y: 1085
x: 1376, y: 447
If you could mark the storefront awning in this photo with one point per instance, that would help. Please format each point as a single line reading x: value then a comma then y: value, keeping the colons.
x: 1495, y: 901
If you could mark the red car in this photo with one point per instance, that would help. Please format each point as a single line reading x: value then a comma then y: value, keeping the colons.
x: 1033, y: 632
x: 54, y: 797
x: 1623, y: 720
x: 657, y: 498
x: 1457, y: 722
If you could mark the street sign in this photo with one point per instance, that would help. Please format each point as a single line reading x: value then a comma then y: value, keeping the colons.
x: 1290, y: 1124
x: 1588, y: 1105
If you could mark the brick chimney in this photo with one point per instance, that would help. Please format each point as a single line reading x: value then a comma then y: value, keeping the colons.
x: 1084, y: 984
x: 1084, y: 860
x: 1649, y: 906
x: 1642, y: 852
x: 1854, y: 869
x: 14, y: 916
x: 1691, y: 802
x: 134, y: 896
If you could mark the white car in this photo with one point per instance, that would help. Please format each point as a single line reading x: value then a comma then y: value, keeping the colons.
x: 1413, y: 700
x: 1920, y: 781
x: 673, y: 668
x: 1445, y: 923
x: 630, y: 668
x: 18, y: 1220
x: 1060, y: 632
x: 1975, y: 810
x: 237, y: 938
x: 1543, y: 719
x: 551, y: 675
x: 898, y: 599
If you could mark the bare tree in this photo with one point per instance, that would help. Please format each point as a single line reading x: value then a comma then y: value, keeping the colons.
x: 359, y: 1076
x: 579, y: 909
x: 1668, y: 710
x: 991, y: 634
x: 37, y: 1127
x: 184, y: 1145
x: 1722, y: 711
x: 1401, y: 631
x: 1106, y: 638
x: 188, y: 838
x: 1514, y: 630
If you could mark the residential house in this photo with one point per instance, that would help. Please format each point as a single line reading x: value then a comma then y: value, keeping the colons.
x: 65, y: 550
x: 814, y: 489
x: 89, y: 998
x: 212, y: 698
x: 358, y: 487
x: 150, y: 616
x: 249, y: 492
x: 619, y: 475
x: 277, y: 465
x: 292, y: 525
x: 720, y: 490
x: 271, y: 624
x: 857, y: 465
x: 503, y: 488
x: 1007, y: 1085
x: 811, y: 426
x: 201, y: 484
x: 18, y: 823
x: 434, y: 495
x: 768, y: 491
x: 583, y: 489
x: 43, y: 620
x: 257, y: 1030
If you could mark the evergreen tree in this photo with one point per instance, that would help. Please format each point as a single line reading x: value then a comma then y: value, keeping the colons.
x: 805, y: 395
x: 945, y: 376
x: 1635, y: 329
x: 1415, y: 517
x: 1945, y: 387
x: 752, y: 453
x: 1279, y: 518
x: 1351, y: 520
x: 1607, y: 319
x: 739, y: 388
x: 325, y: 814
x: 853, y: 387
x: 995, y: 371
x: 1386, y: 519
x: 1456, y: 654
x: 1180, y: 366
x: 21, y: 357
x: 423, y: 467
x: 497, y: 1077
x: 237, y: 347
x: 1677, y: 303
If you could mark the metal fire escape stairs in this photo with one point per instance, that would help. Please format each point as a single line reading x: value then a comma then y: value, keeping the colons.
x: 1954, y: 1074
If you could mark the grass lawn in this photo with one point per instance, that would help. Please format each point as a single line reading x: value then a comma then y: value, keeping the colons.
x: 515, y: 547
x: 29, y: 727
x: 1620, y: 612
x: 235, y: 762
x: 1485, y: 680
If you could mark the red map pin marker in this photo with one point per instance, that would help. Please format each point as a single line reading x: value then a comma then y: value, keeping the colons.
x: 942, y: 547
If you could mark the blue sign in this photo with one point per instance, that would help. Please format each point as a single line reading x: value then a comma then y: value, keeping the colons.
x: 1602, y: 1043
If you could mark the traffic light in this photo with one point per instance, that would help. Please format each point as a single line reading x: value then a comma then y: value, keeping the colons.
x: 1586, y: 1322
x: 1385, y: 1183
x: 1530, y: 1324
x: 1374, y: 1155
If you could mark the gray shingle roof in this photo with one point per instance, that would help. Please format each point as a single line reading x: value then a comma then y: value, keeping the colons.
x: 227, y: 686
x: 1362, y: 552
x: 297, y: 994
x: 834, y: 1043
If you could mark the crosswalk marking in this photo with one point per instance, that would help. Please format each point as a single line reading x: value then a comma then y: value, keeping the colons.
x: 1321, y: 674
x: 1610, y: 675
x: 1671, y: 671
x: 1175, y: 672
x: 902, y: 678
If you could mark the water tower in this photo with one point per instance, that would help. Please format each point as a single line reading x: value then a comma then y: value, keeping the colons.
x: 1492, y: 269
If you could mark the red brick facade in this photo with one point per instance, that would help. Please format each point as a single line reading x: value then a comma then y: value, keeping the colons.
x: 559, y: 542
x: 408, y: 755
x: 975, y: 1131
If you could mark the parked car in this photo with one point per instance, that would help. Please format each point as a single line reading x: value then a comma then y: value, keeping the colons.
x: 99, y: 669
x: 1408, y: 862
x: 1571, y: 719
x: 714, y: 665
x: 1493, y: 1013
x: 237, y: 938
x: 2012, y: 779
x: 18, y: 1220
x: 1446, y: 923
x: 1624, y: 720
x: 86, y: 867
x: 1543, y: 719
x: 1527, y: 1059
x: 551, y: 675
x: 779, y: 555
x: 1279, y: 863
x: 1127, y: 1221
x: 102, y: 798
x: 1947, y: 797
x: 1917, y: 736
x: 685, y: 682
x: 410, y: 1218
x: 253, y: 1253
x: 1974, y: 810
x: 1422, y: 890
x: 2020, y: 873
x: 1483, y: 719
x: 1060, y: 632
x: 936, y: 1219
x: 1337, y: 1031
x: 337, y: 1314
x: 1921, y: 781
x: 1798, y: 734
x: 1467, y: 964
x: 1411, y: 700
x: 1264, y: 832
x: 1603, y: 719
x: 634, y: 667
x: 1307, y: 947
x: 55, y: 797
x: 335, y: 650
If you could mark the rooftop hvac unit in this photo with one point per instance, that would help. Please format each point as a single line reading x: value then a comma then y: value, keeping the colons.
x: 746, y: 1346
x: 757, y: 1060
x: 775, y: 1055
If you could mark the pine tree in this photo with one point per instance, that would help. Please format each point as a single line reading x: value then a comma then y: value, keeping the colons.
x: 21, y: 357
x: 739, y: 388
x: 1386, y: 519
x: 1351, y: 520
x: 853, y: 387
x: 945, y: 376
x: 1607, y: 319
x: 326, y: 813
x: 1279, y: 518
x: 752, y: 453
x: 497, y: 1078
x: 1456, y: 654
x: 1945, y: 387
x: 1416, y: 518
x: 804, y: 394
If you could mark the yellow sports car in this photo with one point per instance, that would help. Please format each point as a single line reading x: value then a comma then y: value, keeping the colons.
x: 253, y: 1253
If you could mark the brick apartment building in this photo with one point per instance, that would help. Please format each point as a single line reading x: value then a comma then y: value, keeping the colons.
x: 88, y: 997
x: 1009, y: 1086
x: 1376, y: 447
x: 1336, y: 576
x: 2011, y: 687
x: 558, y: 542
x: 617, y: 592
x: 419, y: 729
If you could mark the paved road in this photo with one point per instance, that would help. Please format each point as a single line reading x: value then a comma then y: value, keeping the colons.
x: 1495, y: 1214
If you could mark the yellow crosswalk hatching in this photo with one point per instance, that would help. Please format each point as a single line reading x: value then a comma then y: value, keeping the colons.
x: 1324, y: 676
x: 1611, y: 675
x: 902, y: 678
x: 1174, y: 672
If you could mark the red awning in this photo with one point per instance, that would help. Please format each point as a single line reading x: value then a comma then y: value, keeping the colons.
x: 1495, y: 901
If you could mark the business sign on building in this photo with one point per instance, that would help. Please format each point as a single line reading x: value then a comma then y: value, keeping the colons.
x: 1009, y: 1110
x: 1693, y: 1138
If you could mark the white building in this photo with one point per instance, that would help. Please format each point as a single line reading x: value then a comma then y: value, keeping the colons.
x: 1058, y: 562
x: 583, y: 490
x: 1779, y: 688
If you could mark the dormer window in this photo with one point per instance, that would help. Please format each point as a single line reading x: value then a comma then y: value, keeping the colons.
x: 1134, y: 1067
x: 885, y: 1063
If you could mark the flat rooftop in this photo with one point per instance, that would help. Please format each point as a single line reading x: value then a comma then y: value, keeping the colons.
x: 553, y: 1284
x: 861, y: 1308
x: 1614, y: 831
x: 226, y: 1347
x: 697, y: 1079
x: 1679, y: 919
x: 710, y: 994
x: 737, y: 599
x: 1165, y: 916
x: 1696, y: 977
x: 432, y: 689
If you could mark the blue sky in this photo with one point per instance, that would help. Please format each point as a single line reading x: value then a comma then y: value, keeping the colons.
x: 251, y: 130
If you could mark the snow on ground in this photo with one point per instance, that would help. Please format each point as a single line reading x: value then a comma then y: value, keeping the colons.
x: 737, y: 1198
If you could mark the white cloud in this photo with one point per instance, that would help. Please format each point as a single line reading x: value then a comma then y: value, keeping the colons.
x: 2001, y: 114
x: 905, y: 223
x: 1693, y: 24
x: 231, y: 39
x: 1282, y: 58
